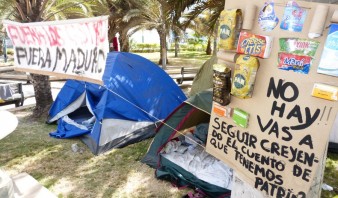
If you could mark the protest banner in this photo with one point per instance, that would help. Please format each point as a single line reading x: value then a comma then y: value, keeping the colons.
x: 75, y: 49
x: 282, y: 148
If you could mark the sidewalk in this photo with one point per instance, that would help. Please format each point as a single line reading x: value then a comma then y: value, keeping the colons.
x: 27, y: 88
x: 29, y: 95
x: 10, y: 61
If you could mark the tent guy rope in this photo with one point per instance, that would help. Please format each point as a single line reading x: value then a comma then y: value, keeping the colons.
x: 157, y: 119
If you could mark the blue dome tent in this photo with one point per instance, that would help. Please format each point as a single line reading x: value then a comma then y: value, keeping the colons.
x: 135, y: 95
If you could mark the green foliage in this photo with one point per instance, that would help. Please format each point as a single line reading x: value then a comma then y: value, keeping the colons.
x: 149, y: 48
x: 196, y: 39
x: 191, y: 47
x: 145, y: 47
x: 185, y: 58
x: 10, y: 51
x: 331, y: 175
x: 53, y: 10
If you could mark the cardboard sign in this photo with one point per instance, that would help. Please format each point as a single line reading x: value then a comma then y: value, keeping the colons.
x: 283, y: 146
x: 72, y: 48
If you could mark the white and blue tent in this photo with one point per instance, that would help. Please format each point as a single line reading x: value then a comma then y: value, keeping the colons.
x: 135, y: 96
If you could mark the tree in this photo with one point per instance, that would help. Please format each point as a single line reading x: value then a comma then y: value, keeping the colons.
x: 152, y: 15
x: 203, y: 18
x: 162, y: 15
x: 178, y: 7
x: 177, y: 33
x: 40, y: 10
x: 118, y: 10
x: 201, y: 26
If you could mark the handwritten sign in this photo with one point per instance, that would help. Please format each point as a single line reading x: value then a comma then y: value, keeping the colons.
x: 72, y: 48
x: 281, y: 150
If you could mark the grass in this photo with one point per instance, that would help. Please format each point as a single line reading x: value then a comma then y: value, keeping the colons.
x: 117, y: 173
x: 184, y: 59
x: 331, y: 175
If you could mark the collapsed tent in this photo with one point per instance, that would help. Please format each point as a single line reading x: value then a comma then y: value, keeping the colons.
x: 135, y: 96
x: 177, y: 151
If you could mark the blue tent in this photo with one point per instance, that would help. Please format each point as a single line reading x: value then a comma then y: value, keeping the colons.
x: 135, y: 96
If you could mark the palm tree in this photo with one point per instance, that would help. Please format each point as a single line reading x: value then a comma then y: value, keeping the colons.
x: 188, y: 14
x: 40, y: 10
x: 178, y: 32
x: 203, y: 18
x: 161, y: 15
x: 152, y: 15
x: 201, y: 25
x: 177, y: 8
x: 118, y: 10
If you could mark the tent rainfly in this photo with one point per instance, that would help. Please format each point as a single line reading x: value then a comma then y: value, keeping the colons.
x: 177, y: 151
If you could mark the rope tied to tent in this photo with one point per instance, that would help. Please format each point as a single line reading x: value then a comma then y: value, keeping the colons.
x: 157, y: 119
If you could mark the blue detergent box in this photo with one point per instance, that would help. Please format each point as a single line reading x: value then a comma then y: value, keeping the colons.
x: 328, y: 61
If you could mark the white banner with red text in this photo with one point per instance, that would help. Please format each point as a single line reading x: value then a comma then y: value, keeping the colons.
x: 74, y: 48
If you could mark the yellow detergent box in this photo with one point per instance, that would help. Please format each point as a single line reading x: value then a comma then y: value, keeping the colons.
x: 244, y: 76
x: 324, y: 91
x: 230, y: 24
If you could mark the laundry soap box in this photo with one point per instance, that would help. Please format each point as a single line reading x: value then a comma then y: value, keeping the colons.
x: 240, y: 117
x: 244, y: 76
x: 254, y: 45
x: 230, y: 26
x: 324, y: 91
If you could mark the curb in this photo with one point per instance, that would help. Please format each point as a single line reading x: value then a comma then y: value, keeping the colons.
x: 15, y: 109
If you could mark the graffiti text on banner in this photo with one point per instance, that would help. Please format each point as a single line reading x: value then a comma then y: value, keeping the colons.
x: 70, y: 48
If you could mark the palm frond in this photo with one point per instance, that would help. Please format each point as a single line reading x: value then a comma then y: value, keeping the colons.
x: 131, y: 14
x: 64, y: 8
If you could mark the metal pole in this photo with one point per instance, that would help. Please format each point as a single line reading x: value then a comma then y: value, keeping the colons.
x: 4, y: 45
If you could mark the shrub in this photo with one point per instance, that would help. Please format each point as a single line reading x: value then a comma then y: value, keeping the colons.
x: 10, y: 51
x: 148, y: 48
x: 145, y: 47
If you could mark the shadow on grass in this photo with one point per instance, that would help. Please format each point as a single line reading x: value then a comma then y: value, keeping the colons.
x: 117, y: 173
